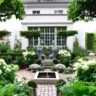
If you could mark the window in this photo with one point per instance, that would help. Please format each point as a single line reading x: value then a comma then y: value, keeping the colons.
x: 58, y: 11
x: 47, y: 37
x: 61, y: 41
x: 33, y: 41
x: 36, y: 12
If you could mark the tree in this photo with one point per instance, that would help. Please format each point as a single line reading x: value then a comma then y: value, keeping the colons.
x: 82, y: 10
x: 1, y: 1
x: 11, y: 7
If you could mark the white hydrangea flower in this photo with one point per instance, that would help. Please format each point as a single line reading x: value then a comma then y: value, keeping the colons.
x: 34, y: 66
x: 91, y: 54
x: 64, y: 52
x: 60, y: 66
x: 85, y: 67
x: 2, y: 61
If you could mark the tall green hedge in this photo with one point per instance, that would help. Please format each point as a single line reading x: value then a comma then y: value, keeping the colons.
x: 90, y: 37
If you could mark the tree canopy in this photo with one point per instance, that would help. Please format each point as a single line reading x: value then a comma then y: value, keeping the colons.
x: 82, y: 10
x: 1, y: 1
x: 11, y: 7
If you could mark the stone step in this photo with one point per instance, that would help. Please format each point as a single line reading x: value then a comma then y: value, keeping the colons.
x: 46, y: 90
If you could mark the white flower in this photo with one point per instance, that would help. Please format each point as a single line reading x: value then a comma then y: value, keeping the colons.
x: 34, y: 66
x: 60, y: 66
x: 91, y: 54
x: 64, y: 52
x: 2, y: 61
x: 77, y: 65
x: 27, y: 53
x: 85, y: 67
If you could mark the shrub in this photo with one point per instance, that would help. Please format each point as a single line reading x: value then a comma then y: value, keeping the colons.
x: 77, y: 50
x: 90, y: 41
x: 60, y: 83
x: 85, y: 70
x: 78, y: 89
x: 4, y: 48
x: 64, y: 56
x: 7, y: 72
x: 29, y: 57
x: 32, y: 84
x: 53, y: 68
x: 55, y: 61
x: 8, y: 58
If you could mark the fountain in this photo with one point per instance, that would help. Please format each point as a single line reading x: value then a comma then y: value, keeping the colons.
x: 42, y: 77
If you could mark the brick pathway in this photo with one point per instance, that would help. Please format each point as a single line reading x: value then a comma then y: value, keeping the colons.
x: 46, y: 90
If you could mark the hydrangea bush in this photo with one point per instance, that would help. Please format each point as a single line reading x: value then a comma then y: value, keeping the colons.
x: 7, y: 72
x: 29, y: 57
x: 64, y: 56
x: 85, y: 70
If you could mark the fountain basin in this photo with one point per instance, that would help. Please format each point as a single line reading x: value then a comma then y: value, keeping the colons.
x: 42, y: 77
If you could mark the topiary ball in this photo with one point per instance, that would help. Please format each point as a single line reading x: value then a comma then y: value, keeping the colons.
x: 32, y: 84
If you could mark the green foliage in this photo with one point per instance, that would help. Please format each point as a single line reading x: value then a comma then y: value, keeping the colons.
x: 16, y: 89
x: 90, y: 41
x: 87, y: 75
x: 4, y: 48
x: 60, y: 83
x: 78, y: 89
x: 29, y: 57
x: 94, y: 45
x: 65, y: 33
x: 3, y: 82
x: 55, y: 61
x: 30, y: 33
x: 11, y: 7
x: 53, y: 68
x: 1, y: 1
x: 4, y: 33
x: 81, y: 10
x: 8, y: 58
x: 77, y: 50
x: 32, y: 84
x: 22, y: 89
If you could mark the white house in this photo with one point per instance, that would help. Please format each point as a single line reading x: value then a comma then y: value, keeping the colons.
x: 48, y: 16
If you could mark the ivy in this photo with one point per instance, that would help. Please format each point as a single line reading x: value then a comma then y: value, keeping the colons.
x: 30, y: 33
x: 4, y: 33
x: 65, y: 33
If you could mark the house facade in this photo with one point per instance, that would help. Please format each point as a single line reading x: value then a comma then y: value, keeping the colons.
x: 48, y: 17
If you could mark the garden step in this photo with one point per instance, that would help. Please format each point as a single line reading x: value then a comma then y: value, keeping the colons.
x: 46, y: 90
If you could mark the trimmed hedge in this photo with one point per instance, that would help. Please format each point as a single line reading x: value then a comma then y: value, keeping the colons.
x: 30, y: 33
x: 90, y: 37
x: 65, y: 33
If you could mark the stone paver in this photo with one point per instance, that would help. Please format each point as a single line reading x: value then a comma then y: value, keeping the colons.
x: 46, y: 90
x: 24, y: 74
x: 42, y: 89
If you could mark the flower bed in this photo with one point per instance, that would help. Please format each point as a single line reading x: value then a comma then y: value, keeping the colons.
x: 85, y: 70
x: 64, y: 56
x: 29, y: 57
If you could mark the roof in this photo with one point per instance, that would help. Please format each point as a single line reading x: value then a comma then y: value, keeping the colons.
x: 47, y: 1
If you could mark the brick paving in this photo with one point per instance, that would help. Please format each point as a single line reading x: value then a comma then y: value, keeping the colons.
x: 46, y: 90
x: 42, y: 89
